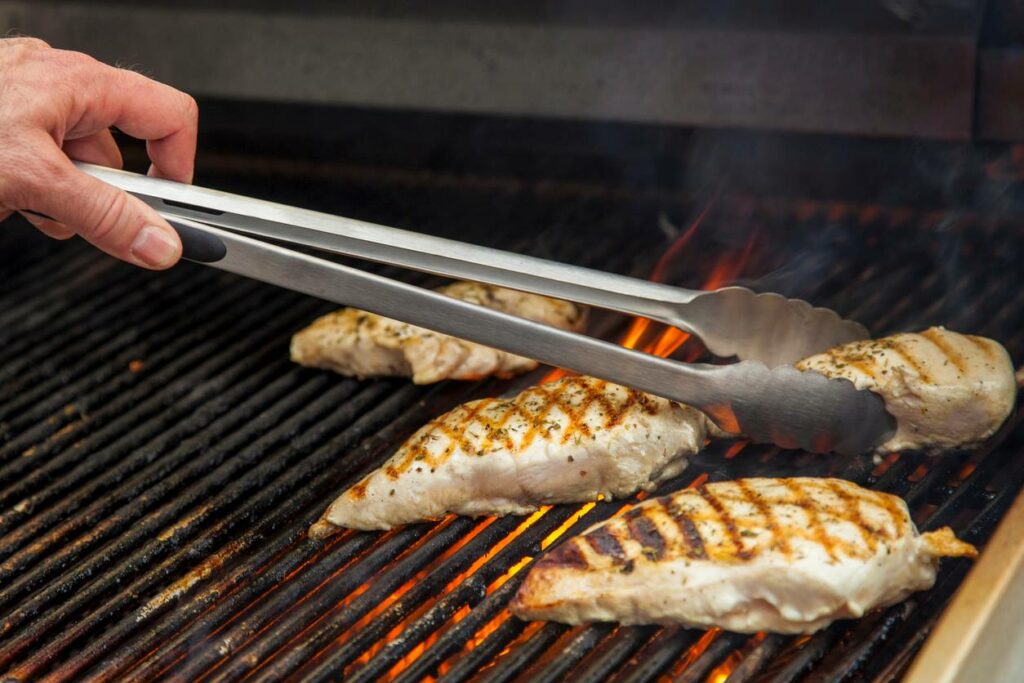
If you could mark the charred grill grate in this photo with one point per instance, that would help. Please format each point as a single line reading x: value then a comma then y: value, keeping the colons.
x: 160, y: 461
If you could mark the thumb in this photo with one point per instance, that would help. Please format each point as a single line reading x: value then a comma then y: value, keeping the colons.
x: 116, y: 222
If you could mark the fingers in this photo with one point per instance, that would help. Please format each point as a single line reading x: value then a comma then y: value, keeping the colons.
x: 98, y: 148
x: 143, y: 108
x: 75, y: 96
x: 167, y: 118
x: 57, y: 231
x: 112, y: 220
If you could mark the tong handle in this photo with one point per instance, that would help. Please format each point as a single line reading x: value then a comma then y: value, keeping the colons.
x: 437, y: 255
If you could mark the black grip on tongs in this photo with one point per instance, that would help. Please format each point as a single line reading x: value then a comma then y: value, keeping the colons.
x: 196, y: 244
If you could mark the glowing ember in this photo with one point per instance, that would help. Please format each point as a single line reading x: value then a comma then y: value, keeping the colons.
x: 527, y: 523
x: 698, y: 481
x: 966, y: 471
x: 554, y: 535
x: 734, y: 449
x: 512, y: 571
x: 918, y: 474
x: 884, y: 466
x: 695, y: 651
x: 404, y: 663
x: 722, y: 672
x: 464, y: 611
x: 402, y: 590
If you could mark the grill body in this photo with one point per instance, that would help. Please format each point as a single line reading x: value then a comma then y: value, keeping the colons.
x: 161, y: 460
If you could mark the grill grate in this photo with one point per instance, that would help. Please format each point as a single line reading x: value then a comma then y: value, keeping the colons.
x: 160, y: 461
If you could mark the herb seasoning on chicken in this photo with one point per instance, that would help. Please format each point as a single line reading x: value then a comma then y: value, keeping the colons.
x: 946, y: 390
x: 357, y: 343
x: 783, y: 555
x: 575, y: 439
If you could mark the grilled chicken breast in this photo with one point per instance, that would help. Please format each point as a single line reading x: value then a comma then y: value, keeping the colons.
x: 945, y: 389
x: 361, y: 344
x: 571, y: 440
x: 783, y: 555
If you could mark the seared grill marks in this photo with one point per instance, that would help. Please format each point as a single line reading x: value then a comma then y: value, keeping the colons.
x: 726, y: 520
x: 784, y: 579
x: 567, y: 555
x: 909, y: 359
x: 705, y: 523
x: 985, y: 345
x: 955, y: 358
x: 851, y: 507
x: 818, y: 531
x: 574, y: 439
x: 765, y: 510
x: 865, y: 357
x: 645, y: 532
x: 605, y: 543
x: 485, y: 426
x: 694, y: 541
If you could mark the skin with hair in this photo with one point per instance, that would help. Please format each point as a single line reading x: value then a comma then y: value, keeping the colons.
x: 57, y: 106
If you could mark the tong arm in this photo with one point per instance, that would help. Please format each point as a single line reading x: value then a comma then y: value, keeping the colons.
x: 732, y: 321
x: 394, y: 246
x: 781, y: 405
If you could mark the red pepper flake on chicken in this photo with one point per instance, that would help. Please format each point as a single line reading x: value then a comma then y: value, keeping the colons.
x: 356, y: 343
x: 782, y: 555
x: 575, y: 439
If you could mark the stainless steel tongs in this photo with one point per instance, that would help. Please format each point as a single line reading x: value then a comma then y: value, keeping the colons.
x: 762, y: 396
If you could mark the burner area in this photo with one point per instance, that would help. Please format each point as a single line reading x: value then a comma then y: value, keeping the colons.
x: 161, y: 459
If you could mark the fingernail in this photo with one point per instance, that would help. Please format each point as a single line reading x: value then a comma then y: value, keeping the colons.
x: 154, y: 247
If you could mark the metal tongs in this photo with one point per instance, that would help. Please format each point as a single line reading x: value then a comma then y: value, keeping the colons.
x: 761, y: 396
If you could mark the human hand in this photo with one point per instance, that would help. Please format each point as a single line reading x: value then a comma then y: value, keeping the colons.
x: 56, y: 106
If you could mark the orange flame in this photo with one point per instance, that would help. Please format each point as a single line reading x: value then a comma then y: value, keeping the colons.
x: 918, y: 474
x: 735, y: 448
x: 695, y: 651
x: 722, y: 672
x: 572, y: 519
x: 883, y: 467
x: 966, y: 471
x: 639, y: 326
x: 698, y: 481
x: 725, y: 270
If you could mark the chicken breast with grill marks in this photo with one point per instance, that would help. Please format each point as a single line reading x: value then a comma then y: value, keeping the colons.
x: 356, y: 343
x: 783, y: 555
x: 571, y: 440
x: 946, y: 390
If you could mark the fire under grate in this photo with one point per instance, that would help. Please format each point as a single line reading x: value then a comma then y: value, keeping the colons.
x: 161, y: 460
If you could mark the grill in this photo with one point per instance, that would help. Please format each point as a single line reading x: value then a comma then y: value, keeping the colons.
x: 161, y: 460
